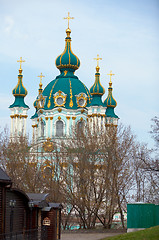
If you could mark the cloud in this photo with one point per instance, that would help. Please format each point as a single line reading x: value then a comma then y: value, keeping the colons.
x: 9, y: 24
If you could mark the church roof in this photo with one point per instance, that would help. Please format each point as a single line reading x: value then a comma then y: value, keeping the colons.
x: 19, y: 91
x: 97, y: 89
x: 110, y: 102
x: 67, y: 60
x: 66, y: 87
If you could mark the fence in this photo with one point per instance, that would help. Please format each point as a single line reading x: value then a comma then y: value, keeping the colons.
x: 33, y: 234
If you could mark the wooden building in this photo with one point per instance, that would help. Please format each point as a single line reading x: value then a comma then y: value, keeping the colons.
x: 28, y: 216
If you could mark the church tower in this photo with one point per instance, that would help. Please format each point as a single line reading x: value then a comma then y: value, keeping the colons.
x: 19, y: 108
x: 96, y: 109
x: 110, y: 103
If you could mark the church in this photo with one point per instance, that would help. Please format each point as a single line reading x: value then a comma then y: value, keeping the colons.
x: 64, y: 103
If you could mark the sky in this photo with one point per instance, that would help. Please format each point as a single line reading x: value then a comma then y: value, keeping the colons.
x: 125, y: 34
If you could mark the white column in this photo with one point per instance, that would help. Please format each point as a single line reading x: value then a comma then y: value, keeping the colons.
x: 68, y: 126
x: 25, y: 117
x: 51, y: 123
x: 73, y: 124
x: 99, y: 123
x: 104, y: 127
x: 46, y: 127
x: 36, y: 133
x: 11, y: 129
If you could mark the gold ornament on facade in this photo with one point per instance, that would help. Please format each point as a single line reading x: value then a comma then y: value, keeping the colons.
x: 59, y: 118
x: 48, y: 145
x: 83, y: 97
x: 59, y: 96
x: 71, y: 96
x: 59, y: 109
x: 73, y: 118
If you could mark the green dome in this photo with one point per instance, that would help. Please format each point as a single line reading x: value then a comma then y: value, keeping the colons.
x: 66, y: 90
x: 20, y: 90
x: 110, y: 101
x: 97, y: 90
x: 69, y: 89
x: 67, y: 59
x: 19, y: 93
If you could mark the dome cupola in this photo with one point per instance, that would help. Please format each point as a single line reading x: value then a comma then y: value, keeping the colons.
x: 19, y: 91
x: 110, y: 102
x: 97, y: 89
x: 67, y: 61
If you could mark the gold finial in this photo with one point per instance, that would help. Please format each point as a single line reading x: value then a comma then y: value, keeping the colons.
x: 110, y: 74
x: 97, y: 58
x: 41, y: 76
x: 68, y: 18
x: 20, y: 61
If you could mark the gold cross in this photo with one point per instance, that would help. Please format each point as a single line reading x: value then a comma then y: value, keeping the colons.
x: 68, y: 18
x: 20, y: 61
x: 98, y: 58
x: 110, y: 74
x: 41, y: 76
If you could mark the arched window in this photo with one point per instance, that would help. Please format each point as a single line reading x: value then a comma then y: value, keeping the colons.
x: 42, y: 128
x: 59, y: 128
x: 80, y: 125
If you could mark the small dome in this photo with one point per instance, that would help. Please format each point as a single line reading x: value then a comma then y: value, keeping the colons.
x: 110, y: 101
x: 20, y: 90
x: 67, y: 60
x: 97, y: 88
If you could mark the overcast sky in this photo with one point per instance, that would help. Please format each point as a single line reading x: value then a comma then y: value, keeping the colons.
x: 125, y: 34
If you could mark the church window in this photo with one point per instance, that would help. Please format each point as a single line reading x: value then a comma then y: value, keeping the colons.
x: 60, y: 100
x: 80, y: 125
x: 42, y: 128
x: 59, y: 128
x: 81, y: 102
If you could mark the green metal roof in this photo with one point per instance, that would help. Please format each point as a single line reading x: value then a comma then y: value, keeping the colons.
x: 19, y: 102
x: 110, y: 112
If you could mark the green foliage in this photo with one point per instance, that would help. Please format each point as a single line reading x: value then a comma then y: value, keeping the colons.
x: 147, y: 234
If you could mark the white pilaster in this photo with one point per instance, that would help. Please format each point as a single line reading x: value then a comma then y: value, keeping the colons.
x: 68, y: 126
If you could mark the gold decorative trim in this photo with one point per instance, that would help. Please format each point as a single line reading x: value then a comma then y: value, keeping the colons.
x: 48, y: 145
x: 57, y: 95
x: 71, y: 96
x: 59, y: 118
x: 34, y: 125
x: 73, y: 118
x: 59, y: 109
x: 82, y: 111
x: 81, y: 96
x: 49, y: 102
x: 51, y: 118
x: 81, y: 118
x: 68, y: 117
x: 46, y: 118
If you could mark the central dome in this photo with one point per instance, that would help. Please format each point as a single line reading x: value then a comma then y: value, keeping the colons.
x: 67, y: 60
x: 66, y: 90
